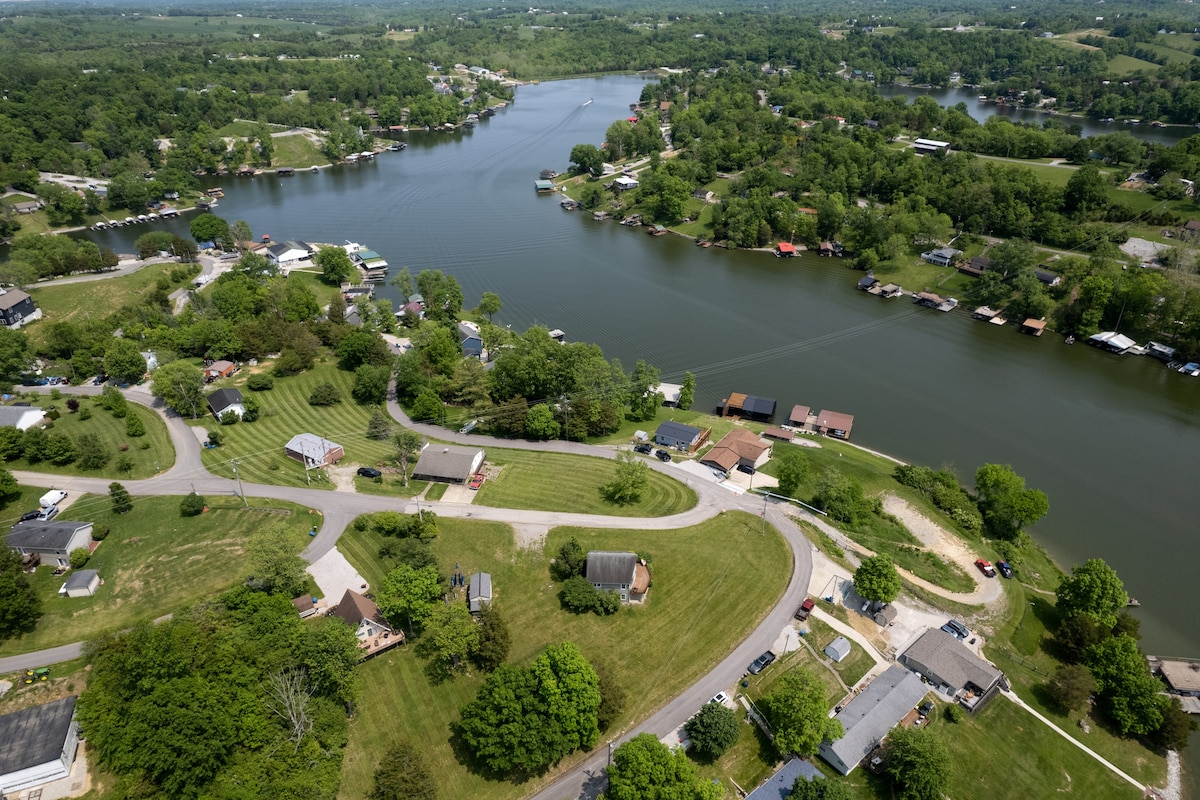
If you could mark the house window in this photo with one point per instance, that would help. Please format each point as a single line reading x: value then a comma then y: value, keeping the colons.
x: 624, y: 586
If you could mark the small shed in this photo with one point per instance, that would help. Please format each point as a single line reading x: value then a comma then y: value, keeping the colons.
x: 479, y: 591
x: 219, y: 369
x: 838, y: 649
x: 81, y: 583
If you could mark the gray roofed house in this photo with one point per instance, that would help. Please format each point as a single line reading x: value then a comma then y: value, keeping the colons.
x: 81, y: 583
x: 21, y: 417
x: 479, y: 591
x: 470, y: 340
x: 223, y: 400
x: 617, y: 572
x: 37, y: 745
x: 779, y: 785
x: 677, y: 435
x: 17, y: 308
x: 870, y: 715
x: 950, y: 665
x: 941, y: 256
x: 51, y: 539
x: 448, y: 463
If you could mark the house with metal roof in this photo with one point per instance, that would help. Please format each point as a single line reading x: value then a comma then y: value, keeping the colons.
x: 747, y: 405
x: 313, y: 451
x: 287, y: 253
x: 223, y: 400
x: 953, y: 668
x: 17, y: 308
x: 37, y: 745
x: 21, y: 417
x: 52, y: 540
x: 479, y: 591
x: 869, y: 717
x: 622, y: 573
x: 447, y: 463
x: 679, y: 436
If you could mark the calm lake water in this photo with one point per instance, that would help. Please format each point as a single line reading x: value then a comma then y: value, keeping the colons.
x: 1114, y: 441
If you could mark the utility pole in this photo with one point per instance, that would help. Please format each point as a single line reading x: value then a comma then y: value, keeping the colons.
x: 241, y: 491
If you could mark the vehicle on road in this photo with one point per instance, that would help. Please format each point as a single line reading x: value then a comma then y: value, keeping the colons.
x: 477, y: 480
x: 369, y: 472
x: 643, y: 448
x: 985, y: 567
x: 662, y: 455
x: 719, y: 698
x: 1005, y: 569
x: 805, y: 609
x: 762, y: 662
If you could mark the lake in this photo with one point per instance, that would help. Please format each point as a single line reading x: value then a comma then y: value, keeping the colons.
x: 1114, y: 441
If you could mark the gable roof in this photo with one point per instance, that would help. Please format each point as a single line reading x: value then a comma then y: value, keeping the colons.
x: 754, y: 404
x: 311, y: 446
x: 479, y: 590
x: 80, y: 578
x: 945, y: 657
x: 34, y: 736
x: 799, y: 415
x: 44, y: 534
x: 446, y: 462
x: 11, y: 298
x: 779, y: 785
x: 13, y: 415
x: 875, y: 711
x: 835, y: 421
x: 737, y: 445
x: 355, y: 607
x: 605, y: 566
x: 677, y: 431
x: 222, y: 399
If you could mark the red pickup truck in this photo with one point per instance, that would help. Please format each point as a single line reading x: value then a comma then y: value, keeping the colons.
x: 805, y: 609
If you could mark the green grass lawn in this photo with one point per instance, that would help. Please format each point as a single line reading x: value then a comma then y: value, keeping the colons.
x: 556, y: 482
x: 258, y: 446
x: 245, y: 129
x: 149, y: 454
x: 712, y: 584
x: 918, y: 276
x: 296, y: 151
x: 153, y: 562
x: 854, y: 666
x: 1127, y: 65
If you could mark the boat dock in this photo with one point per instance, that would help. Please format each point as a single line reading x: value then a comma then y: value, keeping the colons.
x: 935, y: 301
x: 1182, y: 676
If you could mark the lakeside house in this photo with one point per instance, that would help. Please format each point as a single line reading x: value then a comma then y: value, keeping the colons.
x: 17, y: 308
x: 870, y: 716
x: 941, y: 256
x: 748, y: 406
x: 373, y: 632
x: 679, y: 436
x: 953, y: 669
x: 740, y: 448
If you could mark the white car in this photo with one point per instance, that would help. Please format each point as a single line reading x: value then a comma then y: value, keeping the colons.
x: 720, y: 698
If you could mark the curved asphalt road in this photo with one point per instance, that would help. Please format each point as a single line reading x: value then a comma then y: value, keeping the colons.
x: 584, y: 779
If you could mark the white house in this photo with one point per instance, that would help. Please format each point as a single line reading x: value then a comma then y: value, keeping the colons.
x: 287, y: 253
x: 37, y: 745
x: 223, y: 400
x: 21, y: 417
x: 624, y: 182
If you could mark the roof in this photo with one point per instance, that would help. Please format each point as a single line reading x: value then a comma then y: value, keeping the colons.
x: 759, y: 405
x: 219, y: 366
x: 867, y: 281
x: 547, y: 185
x: 779, y: 433
x: 735, y: 446
x: 670, y: 391
x: 311, y: 446
x: 479, y: 590
x: 1046, y: 276
x: 604, y: 566
x: 641, y: 578
x: 222, y: 399
x: 34, y: 736
x: 799, y: 414
x: 1183, y: 676
x: 943, y: 655
x: 12, y: 415
x: 1192, y: 225
x: 981, y: 263
x: 779, y: 785
x: 840, y: 646
x: 869, y: 716
x: 677, y: 431
x: 930, y: 143
x: 81, y: 579
x: 835, y: 421
x: 44, y: 534
x: 354, y: 608
x: 1034, y: 324
x: 1112, y: 340
x: 785, y: 247
x: 446, y: 462
x: 11, y: 298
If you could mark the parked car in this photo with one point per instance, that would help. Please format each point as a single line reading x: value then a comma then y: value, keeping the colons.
x: 925, y: 708
x: 643, y: 448
x: 762, y: 662
x: 805, y: 609
x: 369, y: 472
x: 1005, y: 568
x: 719, y: 698
x: 47, y: 512
x: 985, y: 567
x: 662, y: 455
x: 28, y: 515
x: 746, y: 468
x: 477, y: 480
x: 956, y: 629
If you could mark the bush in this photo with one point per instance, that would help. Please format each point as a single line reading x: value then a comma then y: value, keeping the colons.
x: 53, y: 414
x: 72, y: 404
x: 79, y: 557
x: 579, y: 597
x: 954, y: 713
x: 191, y: 505
x: 215, y: 437
x: 229, y: 418
x: 134, y: 426
x: 251, y: 409
x: 325, y: 395
x: 99, y: 532
x: 85, y: 413
x: 260, y: 382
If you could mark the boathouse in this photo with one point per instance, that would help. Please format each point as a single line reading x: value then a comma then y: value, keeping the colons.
x: 785, y: 250
x: 747, y: 406
x: 834, y: 424
x: 930, y: 146
x: 1034, y: 327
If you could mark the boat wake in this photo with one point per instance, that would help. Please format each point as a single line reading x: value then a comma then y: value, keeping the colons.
x: 588, y: 103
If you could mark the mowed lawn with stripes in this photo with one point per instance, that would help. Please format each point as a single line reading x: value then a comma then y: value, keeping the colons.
x: 711, y: 585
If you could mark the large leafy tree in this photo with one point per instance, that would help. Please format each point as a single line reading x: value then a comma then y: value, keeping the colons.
x: 123, y: 362
x: 403, y: 774
x: 494, y: 640
x: 1094, y: 590
x: 181, y: 386
x: 335, y: 264
x: 646, y: 769
x: 275, y: 563
x: 630, y: 480
x: 799, y: 713
x: 713, y: 730
x: 792, y: 470
x: 876, y: 579
x: 20, y: 605
x: 409, y: 594
x: 525, y: 720
x: 1007, y: 506
x: 450, y: 637
x: 919, y: 763
x: 408, y: 444
x: 210, y: 228
x: 1132, y: 695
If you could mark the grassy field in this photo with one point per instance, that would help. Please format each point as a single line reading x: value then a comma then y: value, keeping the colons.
x: 712, y: 583
x: 853, y: 667
x: 245, y: 129
x: 153, y: 562
x: 222, y: 26
x: 1127, y: 65
x: 555, y: 482
x: 149, y: 454
x: 258, y: 446
x: 296, y: 151
x: 919, y: 276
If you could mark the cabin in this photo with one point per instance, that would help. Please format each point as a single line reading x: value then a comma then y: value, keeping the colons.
x: 679, y: 436
x: 748, y: 406
x: 952, y: 668
x: 870, y: 715
x: 785, y: 250
x: 738, y: 448
x: 17, y: 308
x: 37, y: 745
x: 623, y: 573
x: 930, y: 146
x: 313, y: 451
x: 447, y: 463
x: 373, y: 632
x: 941, y: 256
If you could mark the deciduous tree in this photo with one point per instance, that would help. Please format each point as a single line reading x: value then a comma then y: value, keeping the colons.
x: 630, y: 479
x: 791, y: 469
x: 1007, y: 506
x: 450, y: 637
x: 20, y: 604
x: 713, y: 730
x: 335, y: 265
x: 646, y: 769
x: 407, y: 443
x: 181, y: 386
x: 494, y: 639
x: 919, y: 763
x: 1071, y: 687
x: 799, y: 713
x: 275, y: 563
x: 403, y: 774
x: 1092, y: 589
x: 409, y: 595
x: 876, y: 579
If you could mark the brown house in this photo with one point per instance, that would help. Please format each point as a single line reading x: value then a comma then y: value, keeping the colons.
x: 373, y: 631
x: 219, y: 369
x: 739, y: 448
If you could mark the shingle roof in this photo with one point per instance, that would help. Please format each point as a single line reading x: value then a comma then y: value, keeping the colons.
x: 11, y: 298
x: 445, y: 462
x: 835, y: 421
x: 875, y: 711
x: 11, y: 415
x: 354, y: 608
x: 944, y: 656
x: 34, y: 735
x: 44, y: 535
x: 222, y: 399
x: 80, y: 578
x: 479, y: 590
x: 310, y: 446
x: 677, y: 431
x: 735, y: 446
x: 604, y: 566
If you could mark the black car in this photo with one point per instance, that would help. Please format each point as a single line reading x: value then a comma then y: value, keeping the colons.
x: 762, y: 662
x: 746, y: 468
x: 662, y: 455
x: 369, y: 472
x: 643, y: 448
x: 28, y: 515
x: 99, y: 379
